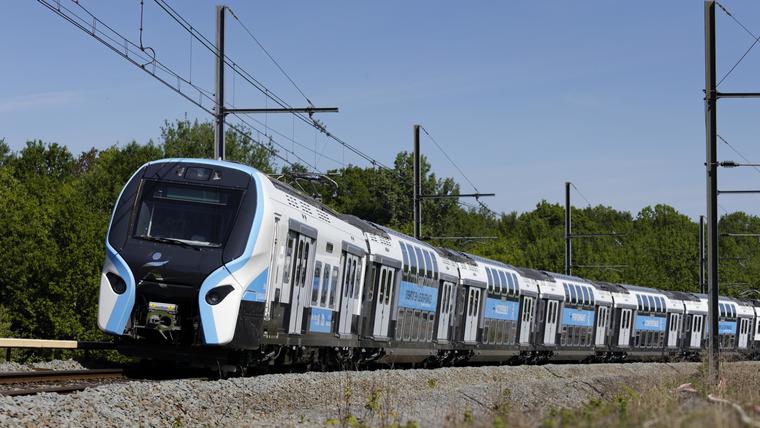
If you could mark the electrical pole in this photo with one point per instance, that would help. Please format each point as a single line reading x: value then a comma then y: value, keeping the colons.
x: 711, y: 169
x: 220, y: 113
x: 568, y: 232
x: 702, y: 254
x: 418, y: 196
x: 417, y: 184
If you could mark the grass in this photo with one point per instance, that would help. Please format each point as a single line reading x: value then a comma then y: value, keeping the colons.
x: 663, y: 405
x: 668, y: 400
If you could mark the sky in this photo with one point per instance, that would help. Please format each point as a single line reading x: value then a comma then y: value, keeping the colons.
x: 523, y: 96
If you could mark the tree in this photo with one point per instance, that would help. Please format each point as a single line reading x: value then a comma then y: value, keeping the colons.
x: 183, y: 139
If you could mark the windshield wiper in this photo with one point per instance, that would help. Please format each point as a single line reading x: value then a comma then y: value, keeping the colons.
x: 174, y: 241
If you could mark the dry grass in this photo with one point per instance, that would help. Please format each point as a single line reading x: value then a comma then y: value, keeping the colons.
x: 663, y: 405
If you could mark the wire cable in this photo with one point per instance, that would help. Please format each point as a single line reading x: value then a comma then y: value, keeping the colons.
x: 481, y: 204
x: 250, y: 33
x: 131, y: 52
x: 738, y: 153
x: 184, y: 23
x: 756, y: 40
x: 581, y: 194
x: 449, y: 158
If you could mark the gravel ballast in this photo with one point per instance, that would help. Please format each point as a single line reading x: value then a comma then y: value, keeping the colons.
x: 427, y: 397
x: 10, y: 366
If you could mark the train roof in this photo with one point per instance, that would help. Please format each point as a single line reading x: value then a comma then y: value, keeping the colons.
x: 456, y: 256
x: 364, y: 225
x: 681, y: 295
x: 567, y: 277
x: 489, y: 261
x: 534, y: 274
x: 608, y: 286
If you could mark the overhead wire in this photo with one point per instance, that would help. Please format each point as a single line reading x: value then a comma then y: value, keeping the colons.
x: 581, y: 194
x: 756, y: 40
x: 93, y: 25
x: 132, y: 52
x: 480, y: 203
x: 250, y: 33
x: 738, y: 152
x: 242, y: 72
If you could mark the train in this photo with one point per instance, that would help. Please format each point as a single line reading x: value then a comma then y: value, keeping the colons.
x: 214, y: 263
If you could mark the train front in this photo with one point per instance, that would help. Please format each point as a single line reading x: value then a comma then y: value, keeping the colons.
x: 183, y: 250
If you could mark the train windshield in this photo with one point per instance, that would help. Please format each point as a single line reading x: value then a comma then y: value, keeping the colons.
x: 185, y: 214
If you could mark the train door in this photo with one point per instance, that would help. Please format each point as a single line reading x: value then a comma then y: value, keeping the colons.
x: 696, y: 331
x: 675, y: 321
x: 550, y: 327
x: 743, y: 332
x: 300, y: 271
x: 526, y: 320
x: 624, y: 338
x: 384, y: 295
x: 351, y: 272
x: 471, y: 319
x: 601, y: 325
x: 444, y: 318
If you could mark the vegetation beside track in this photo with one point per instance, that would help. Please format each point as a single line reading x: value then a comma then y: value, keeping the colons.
x: 55, y: 207
x: 683, y: 401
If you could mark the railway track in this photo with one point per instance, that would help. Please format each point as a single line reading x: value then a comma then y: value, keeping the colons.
x: 56, y: 381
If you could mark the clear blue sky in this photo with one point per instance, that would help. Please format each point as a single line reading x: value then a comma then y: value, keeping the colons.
x: 523, y: 95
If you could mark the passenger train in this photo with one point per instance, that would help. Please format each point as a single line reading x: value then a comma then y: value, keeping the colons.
x: 215, y: 263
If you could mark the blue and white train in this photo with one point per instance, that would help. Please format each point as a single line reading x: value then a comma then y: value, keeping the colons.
x: 215, y: 263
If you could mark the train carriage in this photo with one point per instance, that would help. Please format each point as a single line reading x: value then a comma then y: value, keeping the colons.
x: 602, y: 330
x: 407, y: 300
x: 507, y: 314
x: 745, y: 315
x: 546, y: 309
x: 576, y: 320
x: 648, y: 337
x: 695, y: 316
x: 217, y: 264
x: 755, y: 345
x: 622, y: 321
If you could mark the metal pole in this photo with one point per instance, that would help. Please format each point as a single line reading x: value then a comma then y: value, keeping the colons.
x: 220, y: 113
x: 568, y: 232
x: 702, y: 254
x: 711, y: 167
x: 417, y: 184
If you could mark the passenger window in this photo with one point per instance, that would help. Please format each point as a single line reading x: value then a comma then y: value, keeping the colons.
x: 315, y: 283
x: 496, y: 280
x: 358, y: 279
x: 333, y: 287
x: 412, y: 260
x: 429, y: 263
x: 420, y: 261
x: 381, y: 287
x: 388, y: 287
x: 511, y: 285
x: 288, y: 258
x: 325, y: 286
x: 404, y: 255
x: 504, y: 283
x: 435, y: 266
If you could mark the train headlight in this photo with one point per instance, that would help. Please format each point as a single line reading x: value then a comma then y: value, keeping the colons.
x: 217, y: 294
x: 117, y: 284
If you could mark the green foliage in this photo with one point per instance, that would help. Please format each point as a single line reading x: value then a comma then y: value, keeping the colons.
x: 53, y: 217
x: 56, y: 207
